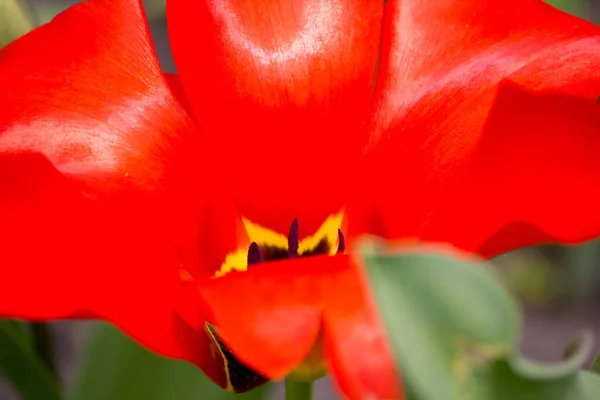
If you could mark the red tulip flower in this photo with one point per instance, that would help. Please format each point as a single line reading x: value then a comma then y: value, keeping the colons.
x: 294, y: 127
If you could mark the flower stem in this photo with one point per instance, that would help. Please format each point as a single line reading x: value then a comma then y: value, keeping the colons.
x: 43, y: 344
x: 295, y: 390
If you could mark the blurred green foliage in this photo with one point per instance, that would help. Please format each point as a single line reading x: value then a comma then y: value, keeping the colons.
x: 114, y: 367
x: 460, y: 340
x: 596, y: 365
x: 545, y: 276
x: 14, y: 20
x: 530, y: 276
x: 20, y: 363
x: 45, y: 10
x: 576, y: 7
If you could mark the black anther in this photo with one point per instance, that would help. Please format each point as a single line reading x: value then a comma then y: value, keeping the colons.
x: 342, y: 242
x: 254, y: 254
x: 293, y: 239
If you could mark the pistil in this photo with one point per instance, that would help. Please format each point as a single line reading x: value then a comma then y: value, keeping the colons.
x: 293, y: 239
x: 342, y: 242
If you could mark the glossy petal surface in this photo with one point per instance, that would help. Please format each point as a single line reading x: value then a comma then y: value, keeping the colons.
x: 485, y: 120
x: 93, y: 150
x: 283, y: 306
x: 282, y: 89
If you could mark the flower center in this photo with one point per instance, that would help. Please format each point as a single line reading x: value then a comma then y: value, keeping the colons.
x: 268, y: 245
x: 258, y: 254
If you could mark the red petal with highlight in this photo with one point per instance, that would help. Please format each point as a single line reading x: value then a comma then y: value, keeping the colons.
x: 283, y: 306
x: 485, y: 120
x: 282, y: 88
x: 92, y: 144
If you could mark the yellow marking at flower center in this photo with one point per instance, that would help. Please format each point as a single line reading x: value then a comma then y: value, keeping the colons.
x: 268, y: 238
x: 328, y: 231
x: 236, y: 261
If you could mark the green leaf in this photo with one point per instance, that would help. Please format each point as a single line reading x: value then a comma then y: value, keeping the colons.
x: 500, y: 382
x: 596, y: 365
x: 445, y: 319
x: 45, y: 10
x: 155, y: 9
x: 575, y: 355
x: 587, y: 385
x: 454, y: 331
x: 14, y: 21
x: 20, y: 331
x: 117, y: 368
x: 22, y: 366
x: 575, y: 7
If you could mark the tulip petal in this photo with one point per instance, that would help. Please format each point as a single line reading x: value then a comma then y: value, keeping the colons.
x: 278, y: 303
x: 282, y: 88
x: 93, y: 151
x: 360, y: 357
x: 177, y: 89
x: 284, y: 305
x: 485, y: 126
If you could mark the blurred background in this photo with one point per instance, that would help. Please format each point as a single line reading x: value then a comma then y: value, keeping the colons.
x: 559, y: 288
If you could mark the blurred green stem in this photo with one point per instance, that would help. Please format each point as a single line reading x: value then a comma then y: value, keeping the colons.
x: 295, y: 390
x: 582, y: 262
x: 43, y: 344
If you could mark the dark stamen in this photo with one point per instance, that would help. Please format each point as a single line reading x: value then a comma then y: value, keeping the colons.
x: 293, y: 239
x: 254, y: 254
x: 342, y: 242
